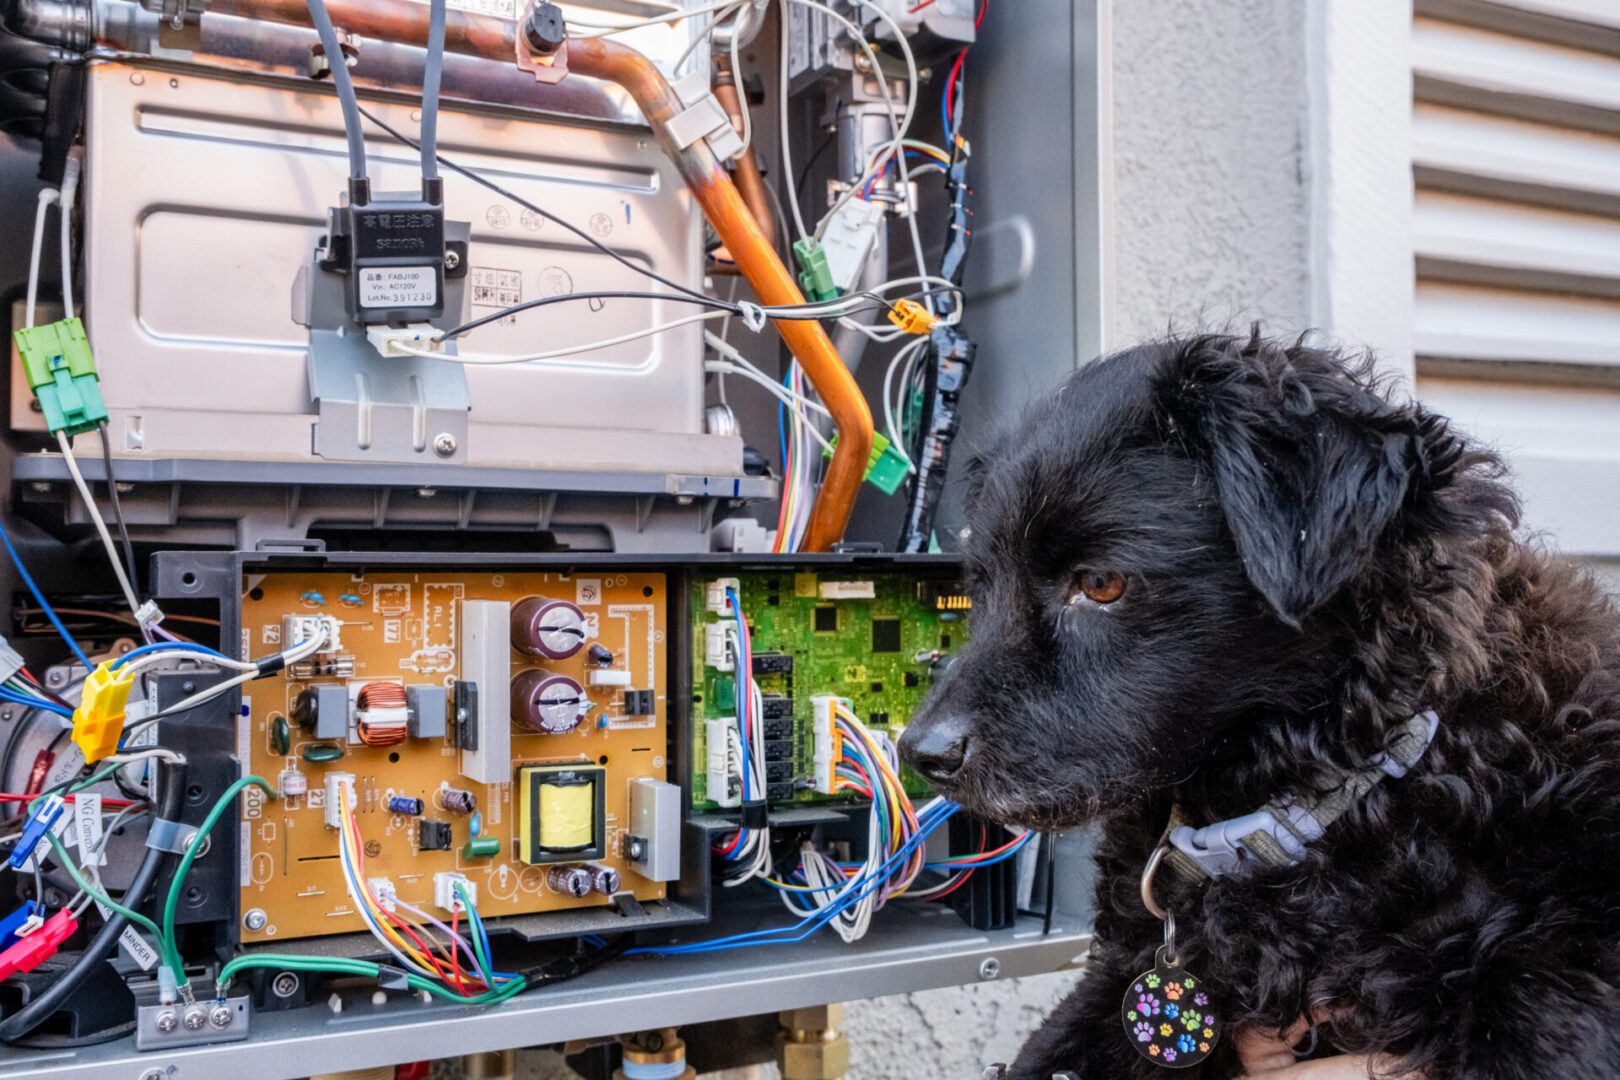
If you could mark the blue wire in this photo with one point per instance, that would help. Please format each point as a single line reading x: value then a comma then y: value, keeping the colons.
x: 50, y: 612
x: 811, y: 924
x: 35, y: 703
x: 160, y: 646
x: 742, y: 682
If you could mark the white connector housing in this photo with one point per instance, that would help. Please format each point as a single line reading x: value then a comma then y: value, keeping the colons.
x: 850, y: 237
x: 716, y: 648
x: 296, y: 628
x: 420, y: 337
x: 337, y: 784
x: 608, y: 677
x: 848, y: 590
x: 829, y: 747
x: 715, y: 594
x: 383, y: 890
x: 444, y: 891
x: 724, y: 770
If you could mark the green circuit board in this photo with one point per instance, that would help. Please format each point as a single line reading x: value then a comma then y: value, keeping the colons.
x: 874, y: 639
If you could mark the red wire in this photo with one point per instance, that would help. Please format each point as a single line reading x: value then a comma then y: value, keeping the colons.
x: 70, y: 798
x: 455, y: 952
x: 919, y: 7
x: 979, y: 21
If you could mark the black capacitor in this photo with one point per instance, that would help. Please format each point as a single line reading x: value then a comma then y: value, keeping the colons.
x: 600, y: 655
x: 572, y: 881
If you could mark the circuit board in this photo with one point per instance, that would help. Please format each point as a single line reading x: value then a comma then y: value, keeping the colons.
x: 874, y: 639
x: 407, y: 628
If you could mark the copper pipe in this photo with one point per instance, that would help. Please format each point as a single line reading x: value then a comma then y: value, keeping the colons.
x: 407, y: 23
x: 745, y: 169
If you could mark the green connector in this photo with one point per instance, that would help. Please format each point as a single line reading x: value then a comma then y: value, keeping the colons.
x: 62, y: 372
x: 886, y: 469
x: 816, y: 279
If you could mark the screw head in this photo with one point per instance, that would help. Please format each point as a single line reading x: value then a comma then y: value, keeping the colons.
x: 256, y: 920
x: 684, y: 500
x: 444, y: 444
x: 221, y: 1015
x: 167, y: 1021
x: 989, y: 968
x: 452, y: 259
x: 56, y: 677
x: 196, y: 1018
x: 426, y: 492
x: 285, y: 985
x: 152, y: 1074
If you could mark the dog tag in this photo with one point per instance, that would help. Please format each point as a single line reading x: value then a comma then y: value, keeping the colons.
x: 1168, y: 1015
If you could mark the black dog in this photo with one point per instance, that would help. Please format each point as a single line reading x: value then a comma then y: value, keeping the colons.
x: 1215, y: 572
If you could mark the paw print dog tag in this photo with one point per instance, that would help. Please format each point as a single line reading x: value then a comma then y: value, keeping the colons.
x: 1168, y: 1016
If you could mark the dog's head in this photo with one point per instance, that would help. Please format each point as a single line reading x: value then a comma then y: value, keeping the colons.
x: 1169, y: 546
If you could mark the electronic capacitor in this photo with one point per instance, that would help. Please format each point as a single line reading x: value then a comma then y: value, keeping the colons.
x: 553, y: 629
x: 550, y: 704
x: 404, y: 804
x: 457, y: 801
x: 604, y: 879
x: 292, y: 783
x: 572, y: 881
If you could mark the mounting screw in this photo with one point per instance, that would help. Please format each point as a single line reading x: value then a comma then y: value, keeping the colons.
x: 256, y: 920
x: 167, y: 1021
x: 989, y: 968
x: 426, y: 492
x: 445, y: 445
x: 684, y: 500
x: 221, y: 1015
x: 452, y: 259
x: 196, y: 1018
x: 56, y: 677
x: 152, y: 1074
x: 285, y: 985
x: 862, y: 63
x: 545, y: 31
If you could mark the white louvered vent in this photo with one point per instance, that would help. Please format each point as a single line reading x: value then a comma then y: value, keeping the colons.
x: 1516, y: 157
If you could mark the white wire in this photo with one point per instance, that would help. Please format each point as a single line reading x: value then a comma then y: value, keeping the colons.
x: 737, y: 79
x: 101, y: 525
x: 785, y: 135
x: 905, y: 355
x: 47, y: 196
x: 572, y: 350
x: 69, y: 195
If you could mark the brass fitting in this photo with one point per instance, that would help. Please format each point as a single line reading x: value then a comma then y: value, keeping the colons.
x: 813, y: 1047
x: 496, y: 1065
x: 659, y: 1047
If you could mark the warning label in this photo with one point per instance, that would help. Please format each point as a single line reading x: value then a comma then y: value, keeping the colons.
x: 496, y: 288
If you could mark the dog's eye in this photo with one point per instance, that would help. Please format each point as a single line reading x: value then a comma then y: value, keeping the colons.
x: 1098, y: 586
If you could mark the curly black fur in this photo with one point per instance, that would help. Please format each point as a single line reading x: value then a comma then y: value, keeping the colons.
x: 1309, y: 562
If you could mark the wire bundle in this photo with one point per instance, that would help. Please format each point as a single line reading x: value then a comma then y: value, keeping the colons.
x: 408, y: 940
x: 749, y: 849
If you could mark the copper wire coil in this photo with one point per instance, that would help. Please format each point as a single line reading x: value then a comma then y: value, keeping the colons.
x: 391, y: 736
x: 381, y: 695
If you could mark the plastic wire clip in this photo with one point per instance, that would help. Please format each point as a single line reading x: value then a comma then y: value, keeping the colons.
x: 753, y: 316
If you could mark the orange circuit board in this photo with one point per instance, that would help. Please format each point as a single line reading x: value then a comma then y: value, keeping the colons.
x: 531, y: 806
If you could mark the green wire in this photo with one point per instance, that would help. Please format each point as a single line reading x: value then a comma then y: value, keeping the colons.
x: 168, y: 939
x: 99, y: 897
x: 484, y: 966
x: 361, y: 967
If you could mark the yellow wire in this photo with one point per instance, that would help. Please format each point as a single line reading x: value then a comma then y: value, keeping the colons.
x: 364, y: 895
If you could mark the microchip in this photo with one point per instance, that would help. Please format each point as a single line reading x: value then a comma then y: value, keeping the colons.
x: 826, y: 620
x: 885, y: 635
x: 911, y: 678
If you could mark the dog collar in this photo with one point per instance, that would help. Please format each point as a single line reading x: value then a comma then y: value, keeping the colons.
x: 1277, y: 833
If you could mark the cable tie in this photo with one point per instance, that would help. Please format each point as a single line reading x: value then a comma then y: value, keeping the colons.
x: 754, y: 815
x: 753, y: 316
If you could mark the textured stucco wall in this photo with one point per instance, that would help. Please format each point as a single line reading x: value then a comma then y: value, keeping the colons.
x: 1211, y: 223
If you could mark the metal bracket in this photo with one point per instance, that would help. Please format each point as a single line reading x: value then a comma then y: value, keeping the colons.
x: 172, y: 836
x: 203, y: 1023
x: 403, y: 409
x: 181, y: 24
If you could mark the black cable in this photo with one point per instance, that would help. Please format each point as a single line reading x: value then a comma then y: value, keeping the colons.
x: 527, y: 205
x: 543, y: 301
x: 117, y: 504
x: 172, y: 786
x: 1050, y: 843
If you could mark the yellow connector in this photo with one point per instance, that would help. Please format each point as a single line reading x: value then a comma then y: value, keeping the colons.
x: 99, y: 720
x: 912, y: 317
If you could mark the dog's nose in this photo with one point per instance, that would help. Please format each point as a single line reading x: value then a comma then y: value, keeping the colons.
x: 936, y: 748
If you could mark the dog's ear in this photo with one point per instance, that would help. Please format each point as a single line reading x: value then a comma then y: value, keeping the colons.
x: 1311, y: 465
